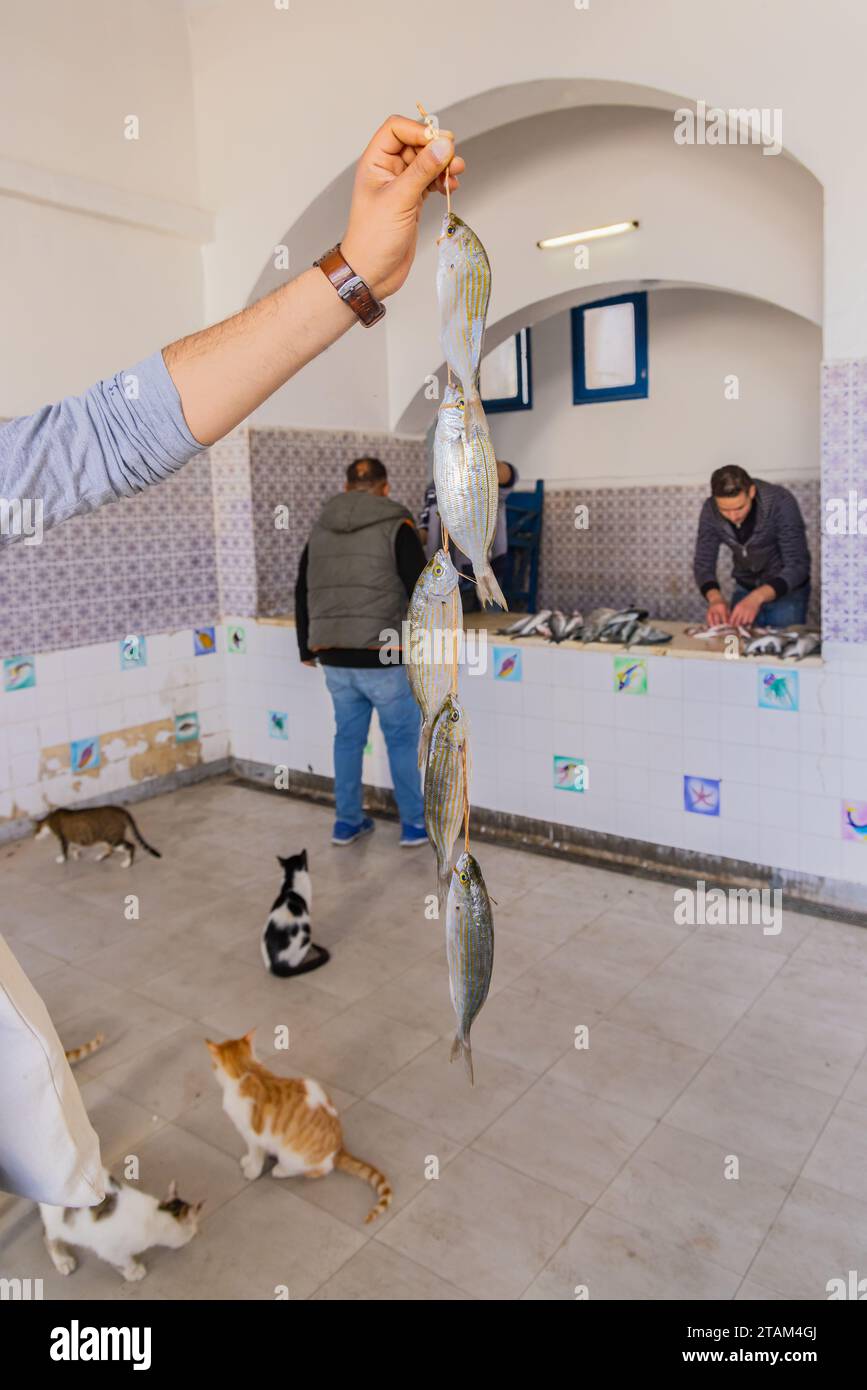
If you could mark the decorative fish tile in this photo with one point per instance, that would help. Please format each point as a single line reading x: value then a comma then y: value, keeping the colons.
x: 570, y: 774
x: 853, y: 819
x: 507, y: 664
x: 186, y: 728
x: 630, y: 676
x: 133, y: 652
x: 84, y: 755
x: 778, y: 689
x: 204, y: 641
x: 278, y: 724
x: 19, y: 672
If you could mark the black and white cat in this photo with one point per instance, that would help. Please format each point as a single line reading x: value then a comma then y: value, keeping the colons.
x: 286, y: 945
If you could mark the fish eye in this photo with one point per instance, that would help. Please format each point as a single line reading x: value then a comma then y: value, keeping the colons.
x: 451, y: 229
x: 461, y: 405
x: 455, y: 716
x: 464, y: 876
x: 438, y: 569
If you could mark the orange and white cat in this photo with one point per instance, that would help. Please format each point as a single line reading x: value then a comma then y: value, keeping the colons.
x: 287, y: 1118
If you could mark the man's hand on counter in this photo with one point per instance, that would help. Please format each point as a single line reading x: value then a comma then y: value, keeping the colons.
x: 746, y: 612
x: 717, y: 609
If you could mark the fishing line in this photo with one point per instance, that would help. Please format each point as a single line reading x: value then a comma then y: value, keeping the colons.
x: 432, y: 132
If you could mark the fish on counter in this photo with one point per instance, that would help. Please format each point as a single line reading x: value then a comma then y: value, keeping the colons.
x: 806, y: 644
x: 470, y: 951
x: 465, y: 476
x: 526, y: 625
x: 623, y: 626
x: 446, y: 792
x: 707, y: 634
x: 433, y: 609
x: 649, y: 636
x: 768, y: 643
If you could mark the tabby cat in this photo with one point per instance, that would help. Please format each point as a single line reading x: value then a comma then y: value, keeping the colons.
x: 288, y: 1118
x: 124, y: 1224
x: 93, y: 825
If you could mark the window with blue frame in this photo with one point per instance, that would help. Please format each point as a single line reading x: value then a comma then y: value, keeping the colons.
x: 609, y: 350
x: 506, y: 379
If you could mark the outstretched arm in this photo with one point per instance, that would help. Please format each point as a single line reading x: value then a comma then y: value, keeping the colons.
x: 140, y: 426
x: 225, y: 372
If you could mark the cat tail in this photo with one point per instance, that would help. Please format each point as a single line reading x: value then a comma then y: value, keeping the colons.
x: 489, y: 589
x: 142, y: 841
x: 347, y: 1163
x: 461, y: 1048
x: 75, y: 1054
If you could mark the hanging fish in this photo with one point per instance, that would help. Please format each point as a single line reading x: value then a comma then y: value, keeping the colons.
x: 463, y: 292
x: 465, y: 475
x: 445, y: 787
x: 434, y: 617
x: 470, y: 951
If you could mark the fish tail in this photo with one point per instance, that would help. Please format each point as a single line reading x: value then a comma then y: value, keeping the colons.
x: 489, y: 589
x: 444, y: 877
x: 423, y: 746
x: 461, y: 1048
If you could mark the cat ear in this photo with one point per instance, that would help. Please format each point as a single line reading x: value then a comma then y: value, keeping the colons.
x: 173, y: 1191
x: 197, y: 1206
x: 213, y: 1048
x: 248, y: 1037
x: 303, y: 857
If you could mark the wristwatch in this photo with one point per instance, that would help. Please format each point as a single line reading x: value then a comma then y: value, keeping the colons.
x: 351, y: 288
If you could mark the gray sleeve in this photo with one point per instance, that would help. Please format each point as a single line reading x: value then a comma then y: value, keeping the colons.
x: 792, y: 540
x: 707, y: 544
x: 119, y: 437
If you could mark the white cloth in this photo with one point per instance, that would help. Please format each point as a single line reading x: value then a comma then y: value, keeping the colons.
x: 48, y: 1149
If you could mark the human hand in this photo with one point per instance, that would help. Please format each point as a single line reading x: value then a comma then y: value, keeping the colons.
x: 717, y: 612
x: 745, y: 612
x: 311, y: 662
x: 394, y: 176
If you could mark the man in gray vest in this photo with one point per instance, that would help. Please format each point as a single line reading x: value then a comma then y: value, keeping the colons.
x: 356, y: 574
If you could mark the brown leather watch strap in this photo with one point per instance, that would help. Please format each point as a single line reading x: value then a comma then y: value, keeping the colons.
x: 351, y: 288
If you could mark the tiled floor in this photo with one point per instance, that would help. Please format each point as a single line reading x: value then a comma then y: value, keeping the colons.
x: 604, y: 1167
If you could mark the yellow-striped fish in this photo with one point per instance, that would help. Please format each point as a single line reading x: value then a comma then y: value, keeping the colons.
x: 435, y: 619
x: 470, y: 951
x: 465, y: 475
x: 445, y: 787
x: 463, y: 292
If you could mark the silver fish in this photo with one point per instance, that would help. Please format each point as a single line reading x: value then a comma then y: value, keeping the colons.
x: 446, y: 793
x: 557, y: 625
x: 802, y: 646
x: 770, y: 644
x: 525, y: 625
x: 595, y: 623
x: 648, y: 636
x: 622, y: 626
x: 573, y: 628
x: 463, y: 292
x: 465, y: 475
x: 435, y: 619
x: 470, y: 951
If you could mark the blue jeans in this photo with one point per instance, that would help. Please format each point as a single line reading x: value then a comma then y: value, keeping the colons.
x: 780, y: 612
x: 356, y: 692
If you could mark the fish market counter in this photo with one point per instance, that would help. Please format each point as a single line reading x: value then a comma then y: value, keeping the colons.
x: 672, y: 753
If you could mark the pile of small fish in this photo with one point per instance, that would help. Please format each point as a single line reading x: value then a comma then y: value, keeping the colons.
x: 762, y: 641
x: 627, y: 627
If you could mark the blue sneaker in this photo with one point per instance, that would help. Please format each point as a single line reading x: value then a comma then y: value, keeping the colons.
x: 345, y: 834
x: 412, y: 835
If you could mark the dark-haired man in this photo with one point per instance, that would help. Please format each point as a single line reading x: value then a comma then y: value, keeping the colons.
x: 356, y: 574
x: 762, y: 525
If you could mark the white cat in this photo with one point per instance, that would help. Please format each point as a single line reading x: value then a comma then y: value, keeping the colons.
x: 126, y: 1223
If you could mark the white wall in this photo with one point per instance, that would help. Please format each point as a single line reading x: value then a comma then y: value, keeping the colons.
x: 721, y: 216
x: 686, y: 427
x: 100, y: 236
x: 284, y: 108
